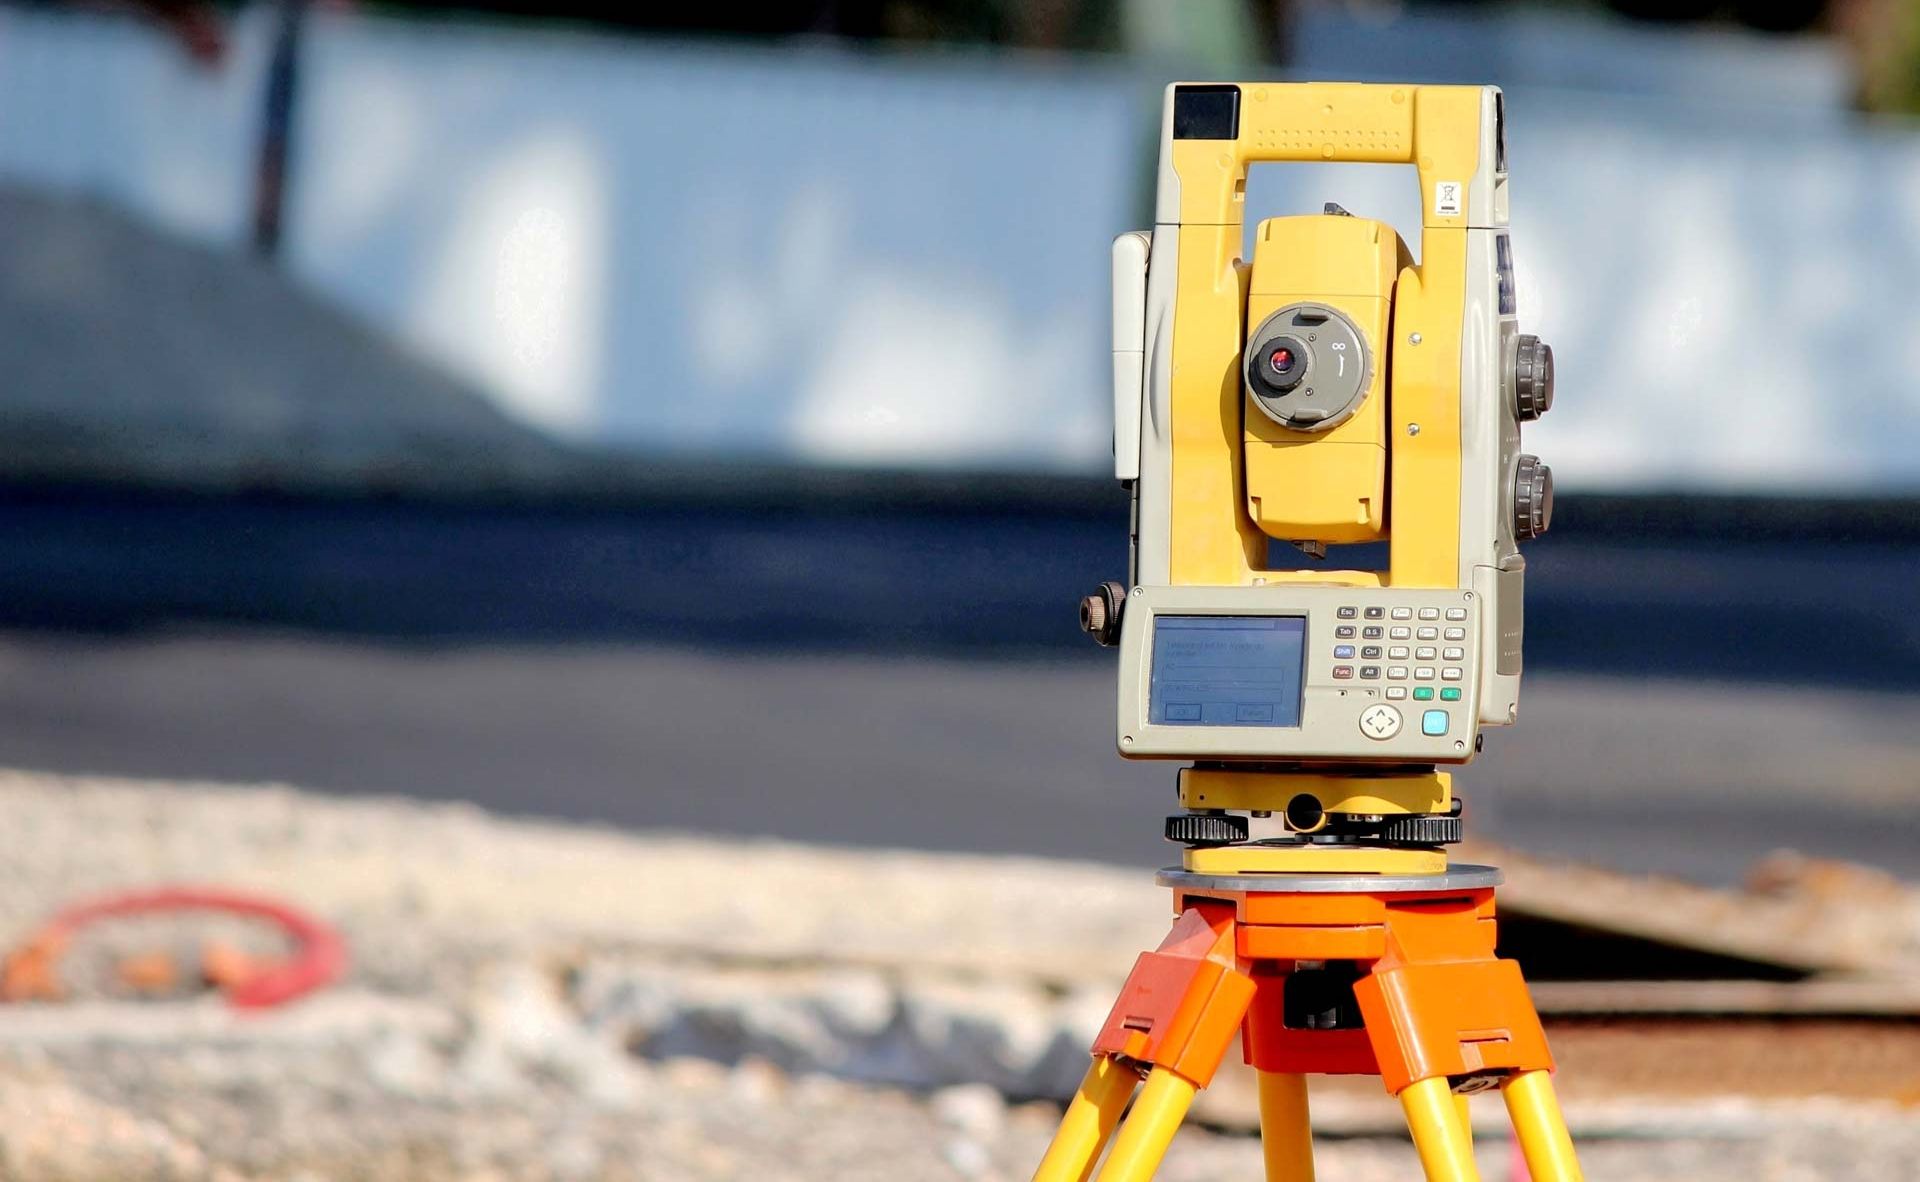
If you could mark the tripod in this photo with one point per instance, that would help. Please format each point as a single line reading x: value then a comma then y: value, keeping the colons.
x: 1319, y: 974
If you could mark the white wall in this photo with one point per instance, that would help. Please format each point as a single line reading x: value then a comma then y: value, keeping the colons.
x: 862, y: 258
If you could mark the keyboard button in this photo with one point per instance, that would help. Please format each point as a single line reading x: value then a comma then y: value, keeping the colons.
x: 1343, y: 652
x: 1343, y: 672
x: 1423, y: 693
x: 1451, y: 674
x: 1348, y: 613
x: 1396, y: 693
x: 1374, y: 613
x: 1370, y: 653
x: 1456, y: 613
x: 1429, y: 613
x: 1424, y: 673
x: 1450, y: 693
x: 1433, y: 723
x: 1453, y: 654
x: 1397, y: 653
x: 1427, y: 633
x: 1400, y: 633
x: 1344, y: 632
x: 1403, y: 613
x: 1371, y: 632
x: 1456, y: 634
x: 1370, y: 672
x: 1397, y: 672
x: 1423, y: 653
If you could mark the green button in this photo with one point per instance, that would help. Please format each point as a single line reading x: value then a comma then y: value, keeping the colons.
x: 1433, y: 722
x: 1450, y: 694
x: 1423, y: 693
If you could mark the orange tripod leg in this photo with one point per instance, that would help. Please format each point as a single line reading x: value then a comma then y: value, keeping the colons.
x: 1176, y: 1015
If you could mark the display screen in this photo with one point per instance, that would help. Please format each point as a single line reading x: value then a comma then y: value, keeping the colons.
x: 1227, y: 670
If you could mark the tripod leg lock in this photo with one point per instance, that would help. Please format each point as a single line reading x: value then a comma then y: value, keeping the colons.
x: 1451, y: 1019
x: 1184, y: 1001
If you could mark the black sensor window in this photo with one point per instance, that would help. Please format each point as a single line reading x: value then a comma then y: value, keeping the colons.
x: 1206, y: 112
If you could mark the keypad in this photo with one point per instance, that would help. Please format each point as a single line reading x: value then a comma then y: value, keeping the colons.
x: 1356, y: 661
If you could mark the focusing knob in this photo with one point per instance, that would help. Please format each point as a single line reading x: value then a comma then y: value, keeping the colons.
x: 1532, y: 498
x: 1207, y: 829
x: 1532, y: 378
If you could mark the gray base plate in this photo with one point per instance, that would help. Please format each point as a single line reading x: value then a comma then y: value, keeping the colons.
x: 1461, y: 876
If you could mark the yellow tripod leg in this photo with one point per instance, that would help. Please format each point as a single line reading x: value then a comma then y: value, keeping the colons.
x: 1463, y: 1104
x: 1439, y: 1136
x: 1286, y: 1132
x: 1088, y: 1122
x: 1542, y: 1132
x: 1156, y: 1117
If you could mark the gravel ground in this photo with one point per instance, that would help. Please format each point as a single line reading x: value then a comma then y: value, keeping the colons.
x: 497, y: 1023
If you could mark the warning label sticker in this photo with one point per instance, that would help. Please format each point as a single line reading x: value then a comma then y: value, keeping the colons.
x: 1448, y: 196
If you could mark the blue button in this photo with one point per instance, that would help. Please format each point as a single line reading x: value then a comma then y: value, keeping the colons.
x: 1433, y: 722
x: 1343, y: 652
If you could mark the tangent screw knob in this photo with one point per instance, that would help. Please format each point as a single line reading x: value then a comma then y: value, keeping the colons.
x: 1532, y: 378
x: 1532, y: 498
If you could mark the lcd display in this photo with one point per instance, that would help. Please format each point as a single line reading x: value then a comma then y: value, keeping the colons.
x: 1227, y: 670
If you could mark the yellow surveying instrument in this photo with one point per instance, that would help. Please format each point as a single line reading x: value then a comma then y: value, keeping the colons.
x: 1334, y: 392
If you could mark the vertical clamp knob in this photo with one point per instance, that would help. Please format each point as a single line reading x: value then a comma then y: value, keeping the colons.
x: 1532, y: 378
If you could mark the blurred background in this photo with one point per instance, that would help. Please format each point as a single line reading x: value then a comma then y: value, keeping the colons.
x: 698, y: 421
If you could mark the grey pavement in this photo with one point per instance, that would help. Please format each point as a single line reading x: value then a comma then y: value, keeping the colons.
x: 1694, y: 779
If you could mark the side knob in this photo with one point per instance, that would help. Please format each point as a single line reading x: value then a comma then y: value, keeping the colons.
x: 1100, y: 613
x: 1532, y: 498
x: 1532, y: 378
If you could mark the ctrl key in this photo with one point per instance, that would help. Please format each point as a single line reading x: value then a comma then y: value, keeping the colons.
x: 1433, y: 722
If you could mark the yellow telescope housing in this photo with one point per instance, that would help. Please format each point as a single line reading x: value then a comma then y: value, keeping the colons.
x: 1329, y: 391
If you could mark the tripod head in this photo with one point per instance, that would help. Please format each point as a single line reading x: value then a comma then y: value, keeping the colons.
x: 1330, y: 393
